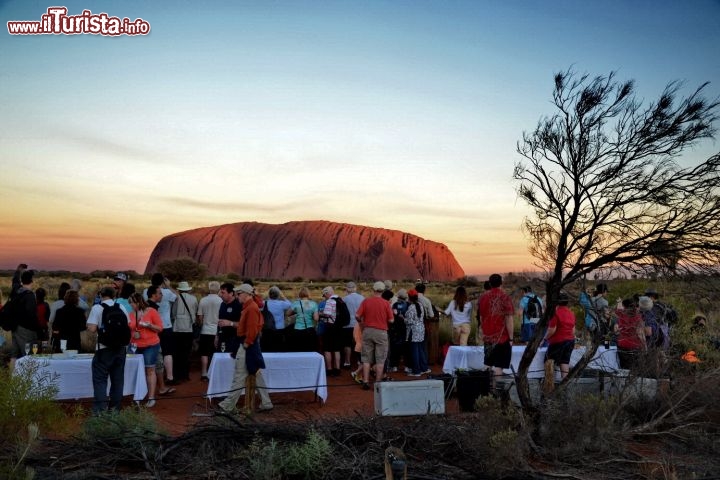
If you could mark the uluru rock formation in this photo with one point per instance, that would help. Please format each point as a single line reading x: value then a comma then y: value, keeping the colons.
x: 311, y: 250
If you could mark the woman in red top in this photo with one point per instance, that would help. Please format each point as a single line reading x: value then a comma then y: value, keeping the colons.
x: 145, y: 324
x: 631, y: 334
x: 561, y: 335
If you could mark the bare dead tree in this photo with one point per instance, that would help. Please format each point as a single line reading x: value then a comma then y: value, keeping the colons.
x: 607, y: 189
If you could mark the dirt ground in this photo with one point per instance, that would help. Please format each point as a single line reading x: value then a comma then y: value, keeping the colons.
x: 187, y: 406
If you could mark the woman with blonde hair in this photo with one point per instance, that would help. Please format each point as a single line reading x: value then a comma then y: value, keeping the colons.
x: 145, y: 325
x: 304, y: 312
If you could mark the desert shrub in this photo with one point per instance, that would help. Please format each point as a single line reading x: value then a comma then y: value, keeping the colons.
x: 309, y: 459
x: 571, y: 427
x: 27, y: 397
x: 269, y: 459
x: 27, y: 407
x: 122, y: 429
x: 265, y: 459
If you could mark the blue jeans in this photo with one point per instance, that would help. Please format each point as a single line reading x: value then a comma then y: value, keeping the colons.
x: 108, y: 362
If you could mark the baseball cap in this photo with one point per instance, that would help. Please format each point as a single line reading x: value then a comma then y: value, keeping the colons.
x: 245, y: 288
x: 121, y: 276
x: 378, y: 286
x: 327, y: 290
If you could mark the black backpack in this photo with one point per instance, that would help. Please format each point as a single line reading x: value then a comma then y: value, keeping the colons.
x: 534, y: 308
x: 342, y: 313
x: 11, y: 312
x: 115, y: 330
x: 268, y: 318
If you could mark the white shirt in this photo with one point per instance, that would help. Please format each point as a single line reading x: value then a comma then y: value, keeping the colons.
x: 210, y: 310
x: 459, y: 317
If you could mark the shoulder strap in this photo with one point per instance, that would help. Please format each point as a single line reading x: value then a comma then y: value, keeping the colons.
x: 186, y: 305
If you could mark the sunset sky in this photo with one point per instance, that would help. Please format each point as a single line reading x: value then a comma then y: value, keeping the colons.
x: 393, y: 114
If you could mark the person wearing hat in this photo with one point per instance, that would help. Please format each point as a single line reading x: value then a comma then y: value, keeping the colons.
x: 374, y: 315
x: 560, y: 335
x: 665, y: 314
x: 119, y: 280
x: 248, y: 360
x: 353, y: 300
x: 184, y: 311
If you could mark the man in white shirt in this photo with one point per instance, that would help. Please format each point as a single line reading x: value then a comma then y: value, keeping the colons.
x: 353, y: 301
x: 208, y: 316
x: 108, y: 361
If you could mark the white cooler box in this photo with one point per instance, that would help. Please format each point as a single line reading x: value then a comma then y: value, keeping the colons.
x: 418, y: 397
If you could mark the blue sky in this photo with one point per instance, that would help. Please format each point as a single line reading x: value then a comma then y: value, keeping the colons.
x: 401, y: 115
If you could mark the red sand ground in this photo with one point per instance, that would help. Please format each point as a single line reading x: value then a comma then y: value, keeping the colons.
x: 187, y: 406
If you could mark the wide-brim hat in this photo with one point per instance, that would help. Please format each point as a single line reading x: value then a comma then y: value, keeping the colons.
x: 184, y: 287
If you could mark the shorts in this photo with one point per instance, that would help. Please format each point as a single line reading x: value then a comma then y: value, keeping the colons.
x: 206, y: 345
x: 166, y: 341
x: 332, y: 339
x: 21, y: 336
x: 150, y: 354
x: 526, y: 331
x: 560, y: 352
x: 374, y: 346
x: 347, y: 337
x: 498, y: 355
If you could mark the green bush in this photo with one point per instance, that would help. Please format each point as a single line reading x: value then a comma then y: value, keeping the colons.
x: 270, y: 460
x: 27, y: 407
x: 122, y: 428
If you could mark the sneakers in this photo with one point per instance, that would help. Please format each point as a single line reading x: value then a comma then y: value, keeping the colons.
x: 414, y: 374
x: 357, y: 377
x: 365, y: 386
x: 408, y: 370
x: 428, y: 371
x: 393, y: 370
x: 346, y: 366
x: 150, y: 403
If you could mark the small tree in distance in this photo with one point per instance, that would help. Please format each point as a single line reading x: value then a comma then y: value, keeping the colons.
x: 601, y: 178
x: 184, y: 268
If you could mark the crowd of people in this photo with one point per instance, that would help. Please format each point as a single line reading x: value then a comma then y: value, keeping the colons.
x: 367, y: 337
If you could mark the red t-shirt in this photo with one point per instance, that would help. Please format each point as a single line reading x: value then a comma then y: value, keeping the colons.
x: 495, y: 306
x: 375, y: 313
x: 564, y: 322
x: 629, y: 323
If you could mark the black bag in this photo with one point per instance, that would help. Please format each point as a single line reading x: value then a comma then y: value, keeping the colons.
x: 11, y: 312
x: 115, y: 330
x: 534, y: 309
x: 8, y: 319
x: 342, y: 313
x: 268, y: 318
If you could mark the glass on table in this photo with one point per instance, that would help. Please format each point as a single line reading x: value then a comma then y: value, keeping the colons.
x: 63, y: 345
x: 27, y: 349
x: 133, y: 348
x: 34, y: 348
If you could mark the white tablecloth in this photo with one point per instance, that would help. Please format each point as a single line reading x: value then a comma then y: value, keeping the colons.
x: 474, y: 358
x: 74, y: 376
x: 285, y: 372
